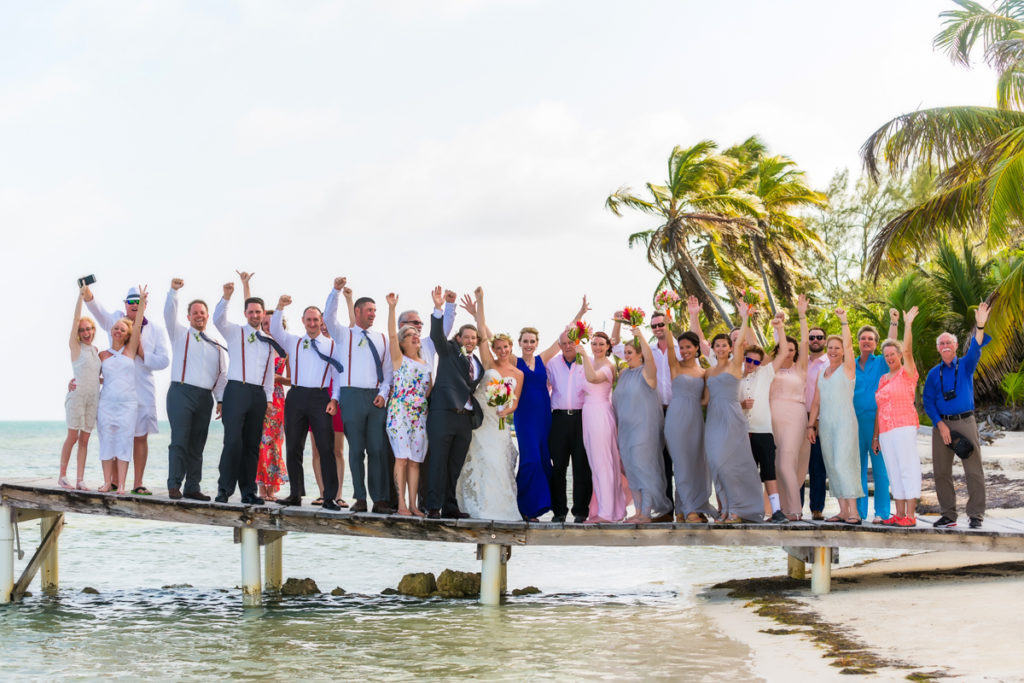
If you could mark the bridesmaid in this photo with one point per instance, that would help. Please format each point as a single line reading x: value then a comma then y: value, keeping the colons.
x: 684, y: 433
x: 407, y: 410
x: 80, y: 405
x: 608, y: 504
x: 834, y: 421
x: 726, y: 444
x: 789, y: 413
x: 533, y: 423
x: 640, y: 423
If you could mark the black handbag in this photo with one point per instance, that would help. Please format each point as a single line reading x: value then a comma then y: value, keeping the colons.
x: 961, y: 445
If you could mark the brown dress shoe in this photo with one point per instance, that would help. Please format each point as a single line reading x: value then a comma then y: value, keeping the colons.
x: 662, y: 519
x: 816, y: 515
x: 174, y: 494
x: 196, y: 495
x: 358, y: 506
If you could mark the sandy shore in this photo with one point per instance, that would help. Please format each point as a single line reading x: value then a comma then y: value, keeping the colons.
x: 949, y: 614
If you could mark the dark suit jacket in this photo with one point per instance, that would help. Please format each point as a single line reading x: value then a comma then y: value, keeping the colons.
x: 452, y: 385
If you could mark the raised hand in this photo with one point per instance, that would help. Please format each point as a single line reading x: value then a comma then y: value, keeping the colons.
x: 346, y: 292
x: 584, y: 307
x: 692, y: 305
x: 801, y: 305
x: 143, y: 297
x: 479, y: 292
x: 285, y: 300
x: 981, y: 314
x: 392, y: 299
x: 449, y: 296
x: 244, y: 276
x: 908, y: 316
x: 894, y: 316
x: 339, y: 283
x: 841, y: 314
x: 469, y: 304
x: 437, y: 296
x: 86, y: 293
x: 778, y: 320
x: 177, y: 283
x: 744, y: 309
x: 229, y: 289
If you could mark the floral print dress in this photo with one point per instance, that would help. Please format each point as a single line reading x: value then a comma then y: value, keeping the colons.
x: 407, y: 411
x: 270, y: 471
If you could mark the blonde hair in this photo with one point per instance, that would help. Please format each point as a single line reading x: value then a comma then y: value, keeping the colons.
x: 501, y: 336
x: 893, y: 343
x: 128, y: 324
x: 78, y: 335
x: 529, y: 330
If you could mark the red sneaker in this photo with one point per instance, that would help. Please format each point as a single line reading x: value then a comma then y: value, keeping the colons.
x: 906, y: 521
x: 892, y: 521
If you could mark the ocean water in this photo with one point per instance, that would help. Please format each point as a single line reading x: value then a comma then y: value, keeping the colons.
x: 169, y: 607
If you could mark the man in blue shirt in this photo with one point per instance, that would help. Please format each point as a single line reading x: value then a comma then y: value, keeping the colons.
x: 949, y: 402
x: 870, y: 368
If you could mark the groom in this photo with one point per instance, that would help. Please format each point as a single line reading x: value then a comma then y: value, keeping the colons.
x: 453, y: 413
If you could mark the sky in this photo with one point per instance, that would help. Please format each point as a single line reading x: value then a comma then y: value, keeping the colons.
x: 402, y: 144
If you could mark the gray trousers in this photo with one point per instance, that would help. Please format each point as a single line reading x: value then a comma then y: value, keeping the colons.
x: 188, y: 410
x: 942, y: 465
x: 367, y: 443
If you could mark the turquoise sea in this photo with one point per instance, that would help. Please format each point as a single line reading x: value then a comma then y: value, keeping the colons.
x: 168, y: 605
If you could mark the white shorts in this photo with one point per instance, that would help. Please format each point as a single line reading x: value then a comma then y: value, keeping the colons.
x: 80, y: 410
x: 902, y: 463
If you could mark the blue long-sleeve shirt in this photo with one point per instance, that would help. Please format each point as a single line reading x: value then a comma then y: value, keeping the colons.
x: 946, y: 376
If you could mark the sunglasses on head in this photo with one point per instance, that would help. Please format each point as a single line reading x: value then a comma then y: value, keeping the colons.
x: 816, y: 337
x: 752, y: 361
x: 655, y: 326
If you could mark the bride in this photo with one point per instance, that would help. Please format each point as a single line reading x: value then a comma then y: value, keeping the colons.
x: 487, y: 484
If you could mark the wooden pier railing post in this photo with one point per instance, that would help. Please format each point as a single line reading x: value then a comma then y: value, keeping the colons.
x: 252, y: 591
x: 6, y: 553
x: 821, y: 573
x: 490, y: 574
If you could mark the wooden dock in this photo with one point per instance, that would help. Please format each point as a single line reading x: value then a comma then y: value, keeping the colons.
x: 27, y: 499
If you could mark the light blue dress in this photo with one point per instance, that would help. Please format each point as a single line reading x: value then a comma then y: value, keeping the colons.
x: 837, y: 430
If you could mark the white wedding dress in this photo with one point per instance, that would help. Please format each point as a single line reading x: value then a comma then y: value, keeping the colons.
x: 487, y: 484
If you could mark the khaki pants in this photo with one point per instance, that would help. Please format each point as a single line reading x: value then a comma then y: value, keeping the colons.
x: 942, y: 464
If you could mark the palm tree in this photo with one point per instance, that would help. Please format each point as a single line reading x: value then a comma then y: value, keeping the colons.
x: 699, y: 211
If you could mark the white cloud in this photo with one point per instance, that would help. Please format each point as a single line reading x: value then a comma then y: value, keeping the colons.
x: 268, y: 127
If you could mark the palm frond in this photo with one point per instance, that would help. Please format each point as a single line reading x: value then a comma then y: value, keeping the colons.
x: 974, y: 22
x: 623, y: 197
x: 1010, y: 88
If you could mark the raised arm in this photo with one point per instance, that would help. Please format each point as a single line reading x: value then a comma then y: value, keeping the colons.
x: 331, y: 310
x: 736, y: 362
x: 133, y: 341
x: 396, y: 350
x: 174, y: 327
x: 245, y: 277
x: 449, y: 312
x: 801, y: 308
x: 73, y: 344
x: 476, y: 309
x: 277, y: 330
x: 437, y: 335
x: 908, y: 340
x: 650, y: 367
x: 104, y: 318
x: 547, y: 354
x: 693, y: 308
x: 779, y: 332
x: 591, y: 373
x: 220, y: 311
x: 980, y: 318
x: 849, y: 359
x: 894, y: 324
x: 350, y: 305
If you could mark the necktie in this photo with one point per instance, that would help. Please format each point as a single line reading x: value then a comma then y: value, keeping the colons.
x: 202, y: 335
x: 472, y: 368
x: 376, y: 357
x: 277, y: 347
x: 327, y: 359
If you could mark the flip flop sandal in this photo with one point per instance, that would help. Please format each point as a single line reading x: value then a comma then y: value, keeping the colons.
x: 318, y: 501
x: 341, y: 503
x: 835, y: 518
x: 142, y: 491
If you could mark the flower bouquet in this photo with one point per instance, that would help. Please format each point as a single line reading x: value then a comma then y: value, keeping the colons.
x: 632, y: 316
x: 579, y: 332
x: 752, y: 298
x: 500, y: 392
x: 667, y: 300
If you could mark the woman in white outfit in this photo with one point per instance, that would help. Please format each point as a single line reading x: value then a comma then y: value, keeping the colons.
x: 118, y: 405
x: 80, y: 405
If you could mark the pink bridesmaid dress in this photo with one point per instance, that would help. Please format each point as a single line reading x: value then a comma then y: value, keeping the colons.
x: 600, y: 439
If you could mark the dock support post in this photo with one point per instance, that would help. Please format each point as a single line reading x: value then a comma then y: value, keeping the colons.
x: 272, y: 560
x: 490, y: 574
x: 821, y: 573
x: 796, y: 568
x: 49, y: 578
x: 252, y: 595
x: 6, y: 553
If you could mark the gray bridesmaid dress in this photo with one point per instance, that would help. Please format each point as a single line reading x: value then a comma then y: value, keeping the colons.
x: 638, y: 414
x: 727, y: 447
x: 684, y: 435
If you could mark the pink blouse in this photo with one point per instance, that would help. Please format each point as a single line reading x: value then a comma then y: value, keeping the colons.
x: 895, y: 399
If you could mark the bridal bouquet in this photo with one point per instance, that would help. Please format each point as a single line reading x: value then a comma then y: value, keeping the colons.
x: 752, y: 298
x: 632, y: 316
x: 500, y: 392
x: 667, y: 300
x: 579, y: 332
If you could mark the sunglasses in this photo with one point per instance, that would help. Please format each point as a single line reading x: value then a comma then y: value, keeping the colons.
x: 816, y: 337
x: 752, y: 361
x: 655, y: 326
x: 417, y: 323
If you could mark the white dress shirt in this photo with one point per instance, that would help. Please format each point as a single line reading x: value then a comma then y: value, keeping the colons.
x: 155, y: 354
x: 308, y: 369
x: 195, y: 361
x: 567, y: 382
x: 353, y: 349
x: 251, y: 360
x: 427, y: 350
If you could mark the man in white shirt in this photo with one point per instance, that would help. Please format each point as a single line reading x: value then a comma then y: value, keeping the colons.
x: 314, y: 364
x: 755, y: 391
x: 250, y: 387
x: 362, y: 393
x: 565, y: 440
x: 427, y: 350
x: 153, y: 355
x: 198, y: 376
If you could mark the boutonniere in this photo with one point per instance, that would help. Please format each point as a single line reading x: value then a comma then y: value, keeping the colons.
x: 196, y: 335
x: 362, y: 340
x: 305, y: 344
x: 462, y: 351
x: 252, y: 337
